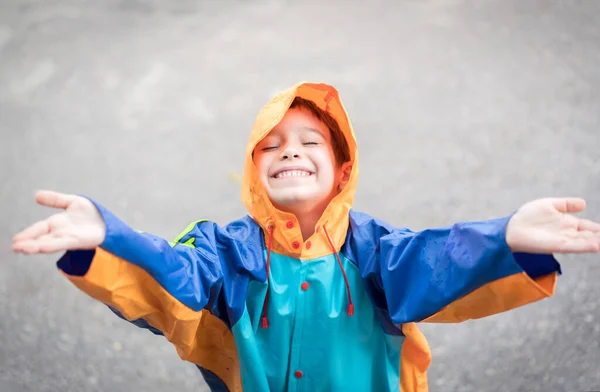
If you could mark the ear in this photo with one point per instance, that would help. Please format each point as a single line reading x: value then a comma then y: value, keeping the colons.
x: 345, y: 171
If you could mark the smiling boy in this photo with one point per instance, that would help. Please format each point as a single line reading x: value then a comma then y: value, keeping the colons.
x: 303, y: 163
x: 305, y: 294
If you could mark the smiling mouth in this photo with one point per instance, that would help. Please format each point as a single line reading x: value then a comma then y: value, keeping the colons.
x: 292, y: 174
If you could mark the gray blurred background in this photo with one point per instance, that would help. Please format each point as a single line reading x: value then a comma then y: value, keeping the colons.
x: 463, y: 110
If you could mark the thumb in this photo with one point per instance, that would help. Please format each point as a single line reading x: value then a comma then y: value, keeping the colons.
x: 54, y: 199
x: 569, y: 204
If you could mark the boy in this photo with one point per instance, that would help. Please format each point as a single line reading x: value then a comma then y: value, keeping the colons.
x: 306, y: 294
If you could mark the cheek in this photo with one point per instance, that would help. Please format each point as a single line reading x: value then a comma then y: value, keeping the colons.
x: 325, y: 164
x: 262, y: 163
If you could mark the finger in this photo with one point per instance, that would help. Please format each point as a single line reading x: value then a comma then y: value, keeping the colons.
x: 27, y: 246
x: 22, y: 246
x: 569, y: 204
x: 580, y: 245
x: 574, y: 234
x: 45, y: 244
x: 54, y: 199
x: 588, y: 225
x: 33, y: 231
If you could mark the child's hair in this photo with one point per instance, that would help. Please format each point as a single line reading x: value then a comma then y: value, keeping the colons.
x: 339, y: 144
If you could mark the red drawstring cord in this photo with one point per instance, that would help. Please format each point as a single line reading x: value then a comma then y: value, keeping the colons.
x: 264, y: 320
x: 350, y: 311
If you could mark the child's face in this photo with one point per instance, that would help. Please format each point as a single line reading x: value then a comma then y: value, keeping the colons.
x: 296, y: 163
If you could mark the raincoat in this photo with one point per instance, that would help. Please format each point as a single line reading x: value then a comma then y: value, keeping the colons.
x: 257, y: 308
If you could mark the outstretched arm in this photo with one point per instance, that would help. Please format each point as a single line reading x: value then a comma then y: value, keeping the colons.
x: 475, y: 269
x: 144, y: 278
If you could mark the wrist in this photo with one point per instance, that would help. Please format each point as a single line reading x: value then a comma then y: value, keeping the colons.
x: 510, y: 236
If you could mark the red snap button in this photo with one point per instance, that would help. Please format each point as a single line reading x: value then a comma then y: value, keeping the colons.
x: 296, y: 244
x: 305, y: 286
x: 289, y: 224
x: 298, y: 374
x: 308, y: 244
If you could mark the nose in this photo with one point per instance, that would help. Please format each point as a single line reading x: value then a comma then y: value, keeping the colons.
x: 289, y: 153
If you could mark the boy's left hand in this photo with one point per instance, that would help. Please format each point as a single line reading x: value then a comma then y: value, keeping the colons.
x: 546, y: 226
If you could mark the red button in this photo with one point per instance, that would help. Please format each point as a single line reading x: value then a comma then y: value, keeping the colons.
x: 308, y: 244
x: 289, y: 224
x: 296, y: 244
x: 305, y: 286
x: 298, y: 374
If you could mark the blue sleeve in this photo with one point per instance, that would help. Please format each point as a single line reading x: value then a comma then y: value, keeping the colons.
x: 421, y: 273
x: 208, y: 267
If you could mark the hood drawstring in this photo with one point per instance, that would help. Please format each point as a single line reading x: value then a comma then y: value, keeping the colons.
x: 350, y: 311
x: 264, y: 319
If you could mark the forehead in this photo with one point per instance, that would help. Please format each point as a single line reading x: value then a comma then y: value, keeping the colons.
x: 299, y: 120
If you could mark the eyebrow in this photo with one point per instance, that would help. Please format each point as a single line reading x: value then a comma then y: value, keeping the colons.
x: 314, y: 130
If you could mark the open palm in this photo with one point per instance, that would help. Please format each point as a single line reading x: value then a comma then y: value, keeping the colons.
x: 547, y: 226
x: 79, y: 226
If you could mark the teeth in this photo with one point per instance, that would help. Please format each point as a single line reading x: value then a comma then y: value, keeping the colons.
x: 293, y: 173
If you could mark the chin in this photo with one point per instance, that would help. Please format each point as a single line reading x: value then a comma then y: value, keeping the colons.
x: 295, y: 201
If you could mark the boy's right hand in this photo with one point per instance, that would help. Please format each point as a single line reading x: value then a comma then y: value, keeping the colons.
x: 79, y: 226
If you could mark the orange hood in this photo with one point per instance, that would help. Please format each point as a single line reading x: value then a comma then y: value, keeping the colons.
x: 254, y: 195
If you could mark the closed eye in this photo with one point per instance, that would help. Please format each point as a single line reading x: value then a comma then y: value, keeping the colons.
x: 310, y: 143
x: 270, y: 148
